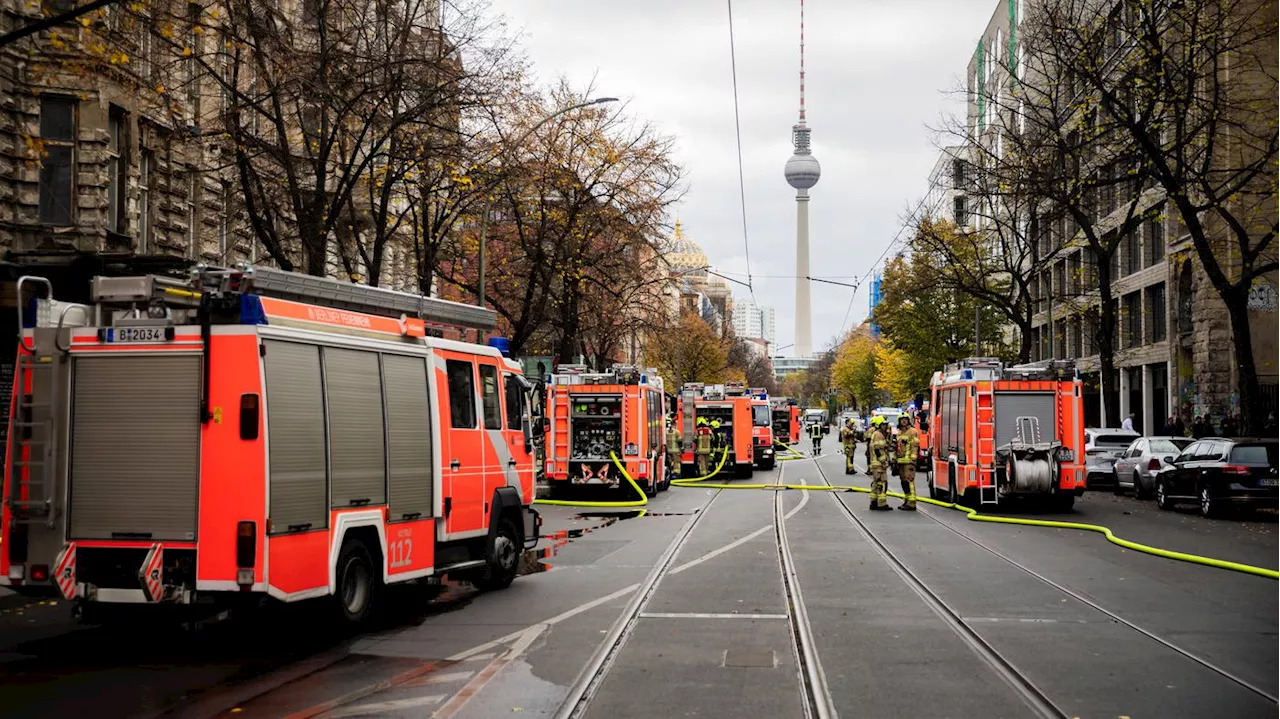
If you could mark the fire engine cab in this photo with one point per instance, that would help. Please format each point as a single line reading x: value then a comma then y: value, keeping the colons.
x: 786, y: 419
x: 762, y: 428
x: 241, y: 434
x: 726, y: 409
x: 996, y: 432
x: 596, y: 415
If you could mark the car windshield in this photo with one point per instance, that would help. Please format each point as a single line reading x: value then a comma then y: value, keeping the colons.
x: 760, y: 415
x: 1254, y: 454
x: 1120, y: 441
x: 1171, y: 446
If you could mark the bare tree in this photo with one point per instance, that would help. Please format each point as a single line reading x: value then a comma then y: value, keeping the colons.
x: 1189, y: 89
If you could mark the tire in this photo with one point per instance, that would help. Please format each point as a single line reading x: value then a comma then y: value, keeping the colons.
x: 504, y: 559
x: 355, y: 583
x: 1119, y: 491
x: 1162, y: 496
x: 1138, y: 492
x: 1064, y: 502
x: 651, y: 488
x: 745, y: 471
x: 1208, y: 507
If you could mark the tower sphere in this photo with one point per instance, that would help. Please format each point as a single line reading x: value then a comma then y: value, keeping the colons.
x: 802, y: 171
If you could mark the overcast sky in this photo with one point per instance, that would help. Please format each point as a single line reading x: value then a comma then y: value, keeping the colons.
x: 879, y: 73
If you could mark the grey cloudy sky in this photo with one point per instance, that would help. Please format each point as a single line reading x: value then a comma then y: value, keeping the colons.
x: 878, y: 72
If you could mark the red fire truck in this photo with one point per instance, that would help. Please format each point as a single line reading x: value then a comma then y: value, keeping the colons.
x: 997, y: 432
x: 786, y: 419
x: 727, y: 411
x: 762, y: 428
x: 251, y: 433
x: 593, y: 415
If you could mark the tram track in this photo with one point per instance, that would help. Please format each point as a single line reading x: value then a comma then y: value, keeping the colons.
x: 1113, y: 616
x: 1022, y: 685
x: 815, y: 694
x: 816, y: 700
x: 593, y: 674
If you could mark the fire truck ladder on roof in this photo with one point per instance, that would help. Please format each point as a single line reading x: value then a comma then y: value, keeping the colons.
x: 362, y: 298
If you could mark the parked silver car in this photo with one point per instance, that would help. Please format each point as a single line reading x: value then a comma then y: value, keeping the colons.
x: 1144, y: 461
x: 1101, y: 448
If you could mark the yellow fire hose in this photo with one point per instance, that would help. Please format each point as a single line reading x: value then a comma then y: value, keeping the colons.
x: 623, y: 504
x: 970, y: 513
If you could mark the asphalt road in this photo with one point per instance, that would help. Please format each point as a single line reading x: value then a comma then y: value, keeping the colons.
x: 922, y: 615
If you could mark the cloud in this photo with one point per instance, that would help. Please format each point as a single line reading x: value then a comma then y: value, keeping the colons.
x: 878, y: 73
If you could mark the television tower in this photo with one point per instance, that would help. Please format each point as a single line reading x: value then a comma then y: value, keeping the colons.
x: 802, y: 173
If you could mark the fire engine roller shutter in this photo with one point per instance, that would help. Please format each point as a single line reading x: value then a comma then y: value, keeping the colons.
x: 135, y: 447
x: 295, y: 428
x: 1009, y: 406
x: 408, y: 436
x: 357, y: 457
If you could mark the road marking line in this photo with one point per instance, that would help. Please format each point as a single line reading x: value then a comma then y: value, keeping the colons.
x: 804, y: 499
x: 697, y: 615
x: 482, y: 657
x: 446, y: 678
x: 382, y: 707
x: 363, y: 692
x: 480, y: 680
x: 587, y: 606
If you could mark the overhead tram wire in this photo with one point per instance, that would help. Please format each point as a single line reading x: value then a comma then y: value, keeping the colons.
x: 737, y: 129
x: 844, y: 324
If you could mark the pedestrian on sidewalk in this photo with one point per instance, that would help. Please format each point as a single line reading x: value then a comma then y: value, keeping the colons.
x: 1199, y: 427
x: 1170, y: 428
x: 878, y: 461
x: 1128, y: 422
x: 907, y: 452
x: 1230, y: 427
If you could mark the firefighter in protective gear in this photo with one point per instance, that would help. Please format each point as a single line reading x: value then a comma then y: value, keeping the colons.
x: 849, y: 438
x: 702, y: 447
x: 673, y: 448
x: 815, y: 436
x: 907, y: 451
x: 879, y: 457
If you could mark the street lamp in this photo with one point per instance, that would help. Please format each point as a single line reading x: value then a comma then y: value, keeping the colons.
x: 484, y: 216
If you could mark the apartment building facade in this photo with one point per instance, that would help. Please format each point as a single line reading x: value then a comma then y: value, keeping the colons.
x: 1172, y: 340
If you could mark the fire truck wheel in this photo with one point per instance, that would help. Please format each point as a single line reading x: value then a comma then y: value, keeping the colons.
x: 1064, y: 502
x: 504, y: 558
x: 745, y: 471
x: 355, y: 582
x: 651, y: 488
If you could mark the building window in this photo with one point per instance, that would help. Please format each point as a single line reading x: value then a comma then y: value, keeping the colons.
x: 1090, y: 339
x: 57, y: 166
x: 145, y: 164
x: 224, y: 222
x: 1060, y: 277
x: 1156, y: 312
x: 957, y: 173
x: 1077, y: 338
x: 193, y: 198
x: 1133, y: 250
x: 1155, y: 238
x: 961, y: 211
x: 1035, y: 344
x: 1076, y: 273
x: 1133, y: 319
x: 192, y: 67
x: 117, y: 164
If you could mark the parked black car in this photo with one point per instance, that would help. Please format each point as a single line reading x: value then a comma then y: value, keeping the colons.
x: 1217, y: 472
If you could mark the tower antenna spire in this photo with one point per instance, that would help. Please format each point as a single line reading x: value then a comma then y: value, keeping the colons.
x: 801, y: 62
